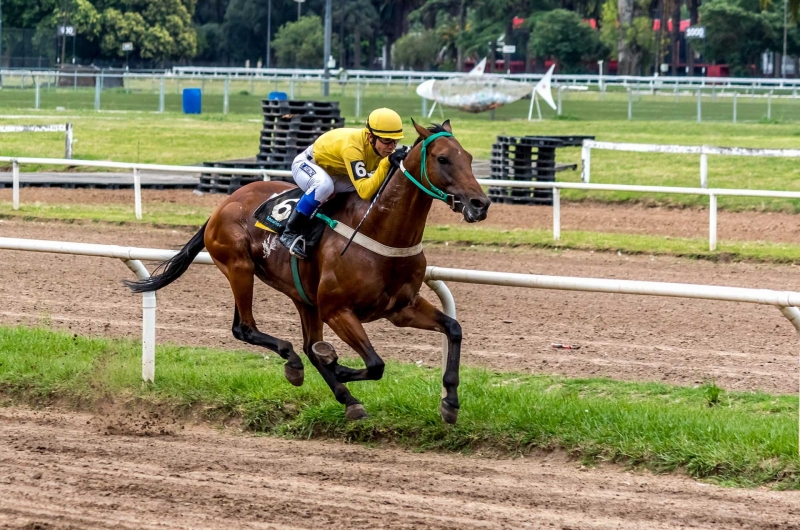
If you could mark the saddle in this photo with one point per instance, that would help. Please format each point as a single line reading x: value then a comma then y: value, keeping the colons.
x: 274, y: 213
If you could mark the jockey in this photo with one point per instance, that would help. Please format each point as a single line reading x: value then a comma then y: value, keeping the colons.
x: 342, y: 160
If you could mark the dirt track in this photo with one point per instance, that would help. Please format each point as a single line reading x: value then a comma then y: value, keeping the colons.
x: 201, y: 478
x: 62, y: 471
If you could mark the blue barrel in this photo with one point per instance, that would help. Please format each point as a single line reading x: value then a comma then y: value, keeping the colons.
x: 278, y: 96
x: 192, y: 101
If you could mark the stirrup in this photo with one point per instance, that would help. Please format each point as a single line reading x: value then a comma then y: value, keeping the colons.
x: 301, y: 252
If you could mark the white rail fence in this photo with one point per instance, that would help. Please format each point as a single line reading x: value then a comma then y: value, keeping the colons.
x: 136, y: 170
x: 66, y: 128
x: 266, y: 174
x: 712, y: 194
x: 785, y: 301
x: 702, y: 150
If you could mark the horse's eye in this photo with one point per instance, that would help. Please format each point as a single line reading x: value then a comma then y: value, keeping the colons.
x: 442, y: 160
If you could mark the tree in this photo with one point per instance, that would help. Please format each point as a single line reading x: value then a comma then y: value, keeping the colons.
x: 159, y: 29
x: 736, y: 33
x: 300, y: 44
x: 417, y: 50
x: 562, y: 34
x: 357, y: 18
x: 631, y: 42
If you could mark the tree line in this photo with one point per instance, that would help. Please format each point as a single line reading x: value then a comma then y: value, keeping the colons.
x: 409, y: 34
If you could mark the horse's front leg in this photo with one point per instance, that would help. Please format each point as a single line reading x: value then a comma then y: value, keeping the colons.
x: 347, y: 326
x: 421, y: 314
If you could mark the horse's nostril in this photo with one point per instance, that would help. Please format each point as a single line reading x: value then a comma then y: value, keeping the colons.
x: 479, y: 203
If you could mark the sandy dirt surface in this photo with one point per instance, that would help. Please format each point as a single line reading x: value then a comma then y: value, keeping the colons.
x: 60, y: 470
x: 66, y: 471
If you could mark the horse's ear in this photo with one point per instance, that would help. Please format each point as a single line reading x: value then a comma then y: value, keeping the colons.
x: 446, y: 126
x: 421, y: 131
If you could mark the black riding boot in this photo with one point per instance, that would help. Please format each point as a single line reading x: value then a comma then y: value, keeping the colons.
x: 292, y: 237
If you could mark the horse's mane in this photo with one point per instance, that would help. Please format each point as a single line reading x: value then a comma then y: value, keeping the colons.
x: 434, y: 128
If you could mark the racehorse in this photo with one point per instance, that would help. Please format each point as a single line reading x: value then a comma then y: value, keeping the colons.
x: 344, y: 291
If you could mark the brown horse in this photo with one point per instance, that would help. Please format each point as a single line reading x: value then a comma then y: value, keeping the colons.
x: 344, y: 291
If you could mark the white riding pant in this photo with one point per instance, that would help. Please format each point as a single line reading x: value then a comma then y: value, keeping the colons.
x: 314, y: 180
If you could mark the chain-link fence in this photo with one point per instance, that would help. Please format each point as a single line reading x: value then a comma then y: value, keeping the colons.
x: 89, y: 89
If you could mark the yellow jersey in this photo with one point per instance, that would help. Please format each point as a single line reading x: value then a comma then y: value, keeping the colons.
x: 348, y: 152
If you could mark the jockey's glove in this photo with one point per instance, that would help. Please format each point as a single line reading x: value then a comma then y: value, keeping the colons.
x: 398, y: 156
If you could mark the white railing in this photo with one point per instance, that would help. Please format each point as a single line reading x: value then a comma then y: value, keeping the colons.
x: 389, y: 76
x: 712, y: 194
x: 785, y: 301
x: 702, y: 150
x: 66, y: 128
x: 265, y: 174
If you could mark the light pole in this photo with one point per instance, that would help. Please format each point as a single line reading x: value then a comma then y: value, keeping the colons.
x: 783, y: 57
x: 327, y: 52
x: 269, y: 31
x: 298, y: 7
x: 1, y: 38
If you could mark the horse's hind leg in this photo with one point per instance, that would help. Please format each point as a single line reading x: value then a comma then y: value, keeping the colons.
x: 244, y: 326
x: 421, y: 314
x: 326, y: 363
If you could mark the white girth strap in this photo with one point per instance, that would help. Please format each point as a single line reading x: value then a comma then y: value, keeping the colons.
x: 374, y: 246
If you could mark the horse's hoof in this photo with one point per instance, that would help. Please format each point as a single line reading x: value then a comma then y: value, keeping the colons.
x: 325, y: 352
x: 355, y: 412
x: 293, y: 375
x: 449, y: 414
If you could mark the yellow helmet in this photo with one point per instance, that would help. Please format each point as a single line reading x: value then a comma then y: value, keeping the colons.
x: 385, y: 123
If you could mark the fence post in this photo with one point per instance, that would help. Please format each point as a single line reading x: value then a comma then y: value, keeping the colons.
x: 97, y: 92
x: 137, y: 193
x: 148, y: 322
x: 586, y: 159
x: 225, y: 97
x: 556, y: 214
x: 703, y: 169
x: 36, y: 83
x: 15, y: 184
x: 712, y: 222
x: 68, y: 142
x: 424, y: 106
x: 735, y: 95
x: 358, y: 98
x: 161, y: 96
x: 769, y: 105
x: 291, y: 87
x: 560, y: 90
x: 699, y: 109
x: 630, y: 104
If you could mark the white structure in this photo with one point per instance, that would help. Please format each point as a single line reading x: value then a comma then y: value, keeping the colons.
x: 135, y: 168
x: 66, y: 128
x: 702, y: 150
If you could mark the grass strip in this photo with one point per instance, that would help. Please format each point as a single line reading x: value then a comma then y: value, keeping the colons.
x: 187, y: 216
x: 735, y: 438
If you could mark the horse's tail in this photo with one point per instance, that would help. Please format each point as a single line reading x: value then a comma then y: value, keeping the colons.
x: 173, y: 268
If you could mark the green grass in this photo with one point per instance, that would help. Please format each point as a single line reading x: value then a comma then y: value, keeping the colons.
x: 627, y: 243
x: 177, y: 139
x: 163, y: 214
x: 173, y: 138
x: 742, y: 438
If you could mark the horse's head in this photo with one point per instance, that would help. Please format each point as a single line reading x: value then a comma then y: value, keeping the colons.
x: 446, y: 170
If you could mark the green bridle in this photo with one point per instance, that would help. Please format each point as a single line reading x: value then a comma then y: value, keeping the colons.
x: 433, y: 191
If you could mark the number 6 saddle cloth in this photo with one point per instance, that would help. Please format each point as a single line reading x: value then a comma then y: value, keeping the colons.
x: 274, y: 213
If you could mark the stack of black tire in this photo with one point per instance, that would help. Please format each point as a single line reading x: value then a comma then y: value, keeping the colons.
x: 528, y: 158
x: 289, y: 128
